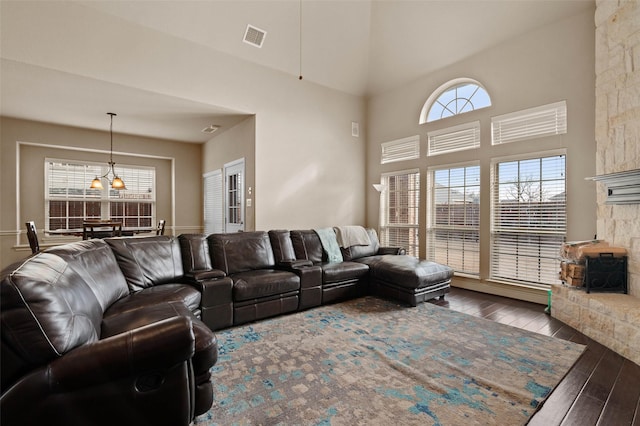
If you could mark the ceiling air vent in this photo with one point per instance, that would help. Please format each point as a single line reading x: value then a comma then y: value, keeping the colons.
x: 210, y: 129
x: 254, y: 36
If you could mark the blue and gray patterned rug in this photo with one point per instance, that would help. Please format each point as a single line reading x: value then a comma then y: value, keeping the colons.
x: 373, y: 362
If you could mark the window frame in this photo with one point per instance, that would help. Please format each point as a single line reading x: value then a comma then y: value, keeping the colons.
x: 411, y: 243
x: 469, y: 256
x: 400, y: 150
x: 552, y: 238
x: 466, y: 135
x: 531, y: 123
x: 104, y: 197
x: 436, y: 94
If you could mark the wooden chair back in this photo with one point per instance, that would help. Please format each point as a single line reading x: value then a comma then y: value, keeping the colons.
x: 32, y: 236
x: 160, y: 228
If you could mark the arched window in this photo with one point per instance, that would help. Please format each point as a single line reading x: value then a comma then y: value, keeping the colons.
x: 454, y: 97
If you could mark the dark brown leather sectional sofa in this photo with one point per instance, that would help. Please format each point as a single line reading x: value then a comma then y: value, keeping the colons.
x: 119, y: 331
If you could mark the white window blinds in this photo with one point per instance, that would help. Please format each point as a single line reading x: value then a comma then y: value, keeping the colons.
x: 399, y: 203
x: 400, y: 150
x: 457, y: 138
x: 69, y: 180
x: 213, y: 203
x: 453, y: 218
x: 528, y: 222
x: 69, y: 200
x: 140, y: 182
x: 546, y: 120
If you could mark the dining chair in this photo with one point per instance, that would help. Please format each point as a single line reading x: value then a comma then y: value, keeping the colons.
x: 32, y: 236
x: 160, y: 228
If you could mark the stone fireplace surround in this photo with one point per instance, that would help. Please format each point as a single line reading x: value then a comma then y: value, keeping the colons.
x: 613, y: 319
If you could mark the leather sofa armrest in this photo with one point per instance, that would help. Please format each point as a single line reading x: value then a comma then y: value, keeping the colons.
x: 216, y: 302
x: 392, y: 250
x: 310, y: 275
x: 156, y: 346
x: 205, y: 274
x: 148, y: 367
x: 216, y: 291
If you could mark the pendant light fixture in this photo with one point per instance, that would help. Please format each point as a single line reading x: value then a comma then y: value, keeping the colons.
x: 116, y: 183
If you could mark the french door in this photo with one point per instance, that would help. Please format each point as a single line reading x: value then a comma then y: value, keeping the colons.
x: 234, y: 196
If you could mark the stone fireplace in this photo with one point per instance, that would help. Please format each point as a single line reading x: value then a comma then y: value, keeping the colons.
x: 613, y: 319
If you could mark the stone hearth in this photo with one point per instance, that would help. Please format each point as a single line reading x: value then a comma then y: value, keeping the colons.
x: 611, y: 319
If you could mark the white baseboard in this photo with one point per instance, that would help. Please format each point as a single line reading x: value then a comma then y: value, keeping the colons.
x: 513, y: 291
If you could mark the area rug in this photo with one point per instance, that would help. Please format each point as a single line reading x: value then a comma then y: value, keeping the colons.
x: 373, y: 362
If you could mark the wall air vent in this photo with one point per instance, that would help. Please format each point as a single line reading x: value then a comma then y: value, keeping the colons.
x: 254, y: 36
x: 210, y: 129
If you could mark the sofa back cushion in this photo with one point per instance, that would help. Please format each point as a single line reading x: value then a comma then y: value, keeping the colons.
x: 282, y: 245
x: 53, y: 302
x: 356, y: 252
x: 148, y: 261
x: 241, y: 251
x: 307, y: 246
x: 195, y: 253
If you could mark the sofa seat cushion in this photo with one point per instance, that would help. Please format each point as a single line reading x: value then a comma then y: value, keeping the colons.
x: 263, y: 283
x: 343, y: 271
x: 206, y: 346
x: 184, y: 293
x: 410, y: 272
x: 371, y: 260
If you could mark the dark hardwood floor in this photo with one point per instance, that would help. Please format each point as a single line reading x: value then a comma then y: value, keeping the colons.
x: 602, y: 388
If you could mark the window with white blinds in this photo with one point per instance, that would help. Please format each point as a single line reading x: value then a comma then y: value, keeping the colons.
x: 213, y: 203
x: 453, y: 217
x: 399, y: 203
x: 69, y: 200
x: 451, y: 139
x: 528, y: 222
x: 545, y: 120
x: 400, y: 150
x: 134, y: 206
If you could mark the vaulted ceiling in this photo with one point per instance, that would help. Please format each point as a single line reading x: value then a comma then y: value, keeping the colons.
x: 361, y: 47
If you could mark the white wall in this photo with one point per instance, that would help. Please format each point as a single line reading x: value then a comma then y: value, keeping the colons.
x: 236, y: 143
x: 551, y: 64
x: 309, y: 170
x: 24, y: 145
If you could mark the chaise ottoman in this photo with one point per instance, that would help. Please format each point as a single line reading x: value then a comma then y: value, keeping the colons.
x: 408, y: 279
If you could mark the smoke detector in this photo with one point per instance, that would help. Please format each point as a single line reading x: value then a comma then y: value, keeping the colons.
x: 210, y: 129
x: 254, y: 36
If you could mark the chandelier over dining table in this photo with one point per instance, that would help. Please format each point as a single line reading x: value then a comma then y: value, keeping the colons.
x: 116, y: 182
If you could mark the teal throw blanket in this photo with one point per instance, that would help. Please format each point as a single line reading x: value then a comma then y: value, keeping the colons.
x: 330, y: 244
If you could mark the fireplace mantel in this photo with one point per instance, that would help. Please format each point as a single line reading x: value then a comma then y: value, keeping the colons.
x: 622, y: 187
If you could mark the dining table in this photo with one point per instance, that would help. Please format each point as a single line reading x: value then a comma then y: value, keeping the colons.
x: 97, y: 232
